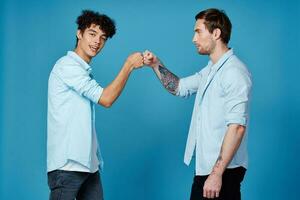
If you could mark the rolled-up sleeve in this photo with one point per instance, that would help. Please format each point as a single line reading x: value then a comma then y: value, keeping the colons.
x: 236, y: 85
x: 78, y: 79
x: 188, y: 85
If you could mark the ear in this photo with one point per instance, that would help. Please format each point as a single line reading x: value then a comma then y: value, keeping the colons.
x: 79, y: 34
x: 216, y: 33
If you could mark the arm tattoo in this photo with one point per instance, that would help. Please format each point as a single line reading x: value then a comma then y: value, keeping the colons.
x: 218, y: 162
x: 220, y: 157
x: 169, y: 80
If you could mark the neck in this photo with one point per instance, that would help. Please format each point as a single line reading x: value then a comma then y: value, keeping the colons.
x: 218, y: 52
x: 82, y: 55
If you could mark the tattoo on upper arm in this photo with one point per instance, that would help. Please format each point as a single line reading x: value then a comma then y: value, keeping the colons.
x: 168, y: 79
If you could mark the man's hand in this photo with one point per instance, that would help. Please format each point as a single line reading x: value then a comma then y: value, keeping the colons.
x: 169, y: 80
x: 150, y: 59
x: 212, y: 186
x: 135, y: 60
x: 231, y: 143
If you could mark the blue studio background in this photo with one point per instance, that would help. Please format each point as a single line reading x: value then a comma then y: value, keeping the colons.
x: 143, y: 135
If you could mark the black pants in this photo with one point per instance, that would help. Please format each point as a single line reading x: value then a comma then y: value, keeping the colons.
x: 68, y: 185
x: 231, y: 185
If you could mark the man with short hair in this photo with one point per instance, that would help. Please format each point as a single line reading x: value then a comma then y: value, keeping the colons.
x: 73, y: 155
x: 218, y: 127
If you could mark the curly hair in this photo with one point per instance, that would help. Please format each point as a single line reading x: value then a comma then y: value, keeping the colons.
x: 89, y: 17
x: 215, y: 18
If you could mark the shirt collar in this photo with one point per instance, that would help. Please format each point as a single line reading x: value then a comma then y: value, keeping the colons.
x: 78, y: 59
x: 221, y: 61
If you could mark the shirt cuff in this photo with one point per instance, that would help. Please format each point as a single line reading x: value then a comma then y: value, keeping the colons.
x: 97, y: 95
x: 236, y: 119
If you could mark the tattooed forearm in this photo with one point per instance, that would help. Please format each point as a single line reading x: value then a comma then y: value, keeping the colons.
x: 169, y: 80
x: 218, y: 164
x: 230, y: 145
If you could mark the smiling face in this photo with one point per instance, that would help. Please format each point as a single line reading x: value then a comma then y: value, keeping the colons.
x: 203, y: 39
x: 90, y: 42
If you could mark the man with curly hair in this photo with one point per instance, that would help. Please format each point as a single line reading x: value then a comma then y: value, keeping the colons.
x: 73, y: 154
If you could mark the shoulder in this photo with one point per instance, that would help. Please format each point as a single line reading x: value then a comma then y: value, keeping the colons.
x: 65, y: 64
x: 204, y: 70
x: 234, y: 67
x: 235, y: 72
x: 66, y: 61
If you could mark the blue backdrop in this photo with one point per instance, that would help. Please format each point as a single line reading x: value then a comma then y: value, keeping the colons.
x: 143, y: 135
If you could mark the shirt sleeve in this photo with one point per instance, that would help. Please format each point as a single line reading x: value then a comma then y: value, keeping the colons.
x: 188, y: 85
x: 79, y: 80
x: 236, y: 85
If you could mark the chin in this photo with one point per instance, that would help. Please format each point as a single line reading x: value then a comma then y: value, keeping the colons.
x: 93, y: 54
x: 202, y: 52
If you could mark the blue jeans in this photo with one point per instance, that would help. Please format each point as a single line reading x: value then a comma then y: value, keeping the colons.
x: 68, y: 185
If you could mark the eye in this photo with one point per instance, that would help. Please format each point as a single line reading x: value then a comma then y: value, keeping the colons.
x: 197, y: 31
x: 93, y: 34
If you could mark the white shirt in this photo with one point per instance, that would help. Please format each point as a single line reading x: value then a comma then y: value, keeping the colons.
x: 72, y: 165
x: 222, y: 98
x: 71, y: 133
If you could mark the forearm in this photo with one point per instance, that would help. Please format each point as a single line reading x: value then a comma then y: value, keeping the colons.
x: 169, y: 80
x: 231, y: 143
x: 114, y: 89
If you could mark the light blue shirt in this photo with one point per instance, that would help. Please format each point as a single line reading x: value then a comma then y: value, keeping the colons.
x: 72, y: 93
x: 222, y: 97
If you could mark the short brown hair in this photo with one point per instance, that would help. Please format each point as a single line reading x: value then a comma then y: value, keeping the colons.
x: 215, y: 18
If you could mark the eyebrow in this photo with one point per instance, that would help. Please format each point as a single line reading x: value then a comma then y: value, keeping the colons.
x: 92, y: 30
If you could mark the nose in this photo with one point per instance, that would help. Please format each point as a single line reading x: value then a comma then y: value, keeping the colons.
x: 194, y: 38
x: 98, y: 41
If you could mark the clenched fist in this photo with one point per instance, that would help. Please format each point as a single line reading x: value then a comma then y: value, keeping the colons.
x: 150, y: 59
x: 135, y: 60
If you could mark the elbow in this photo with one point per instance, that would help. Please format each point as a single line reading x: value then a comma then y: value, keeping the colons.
x: 107, y: 105
x: 239, y: 129
x: 105, y: 102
